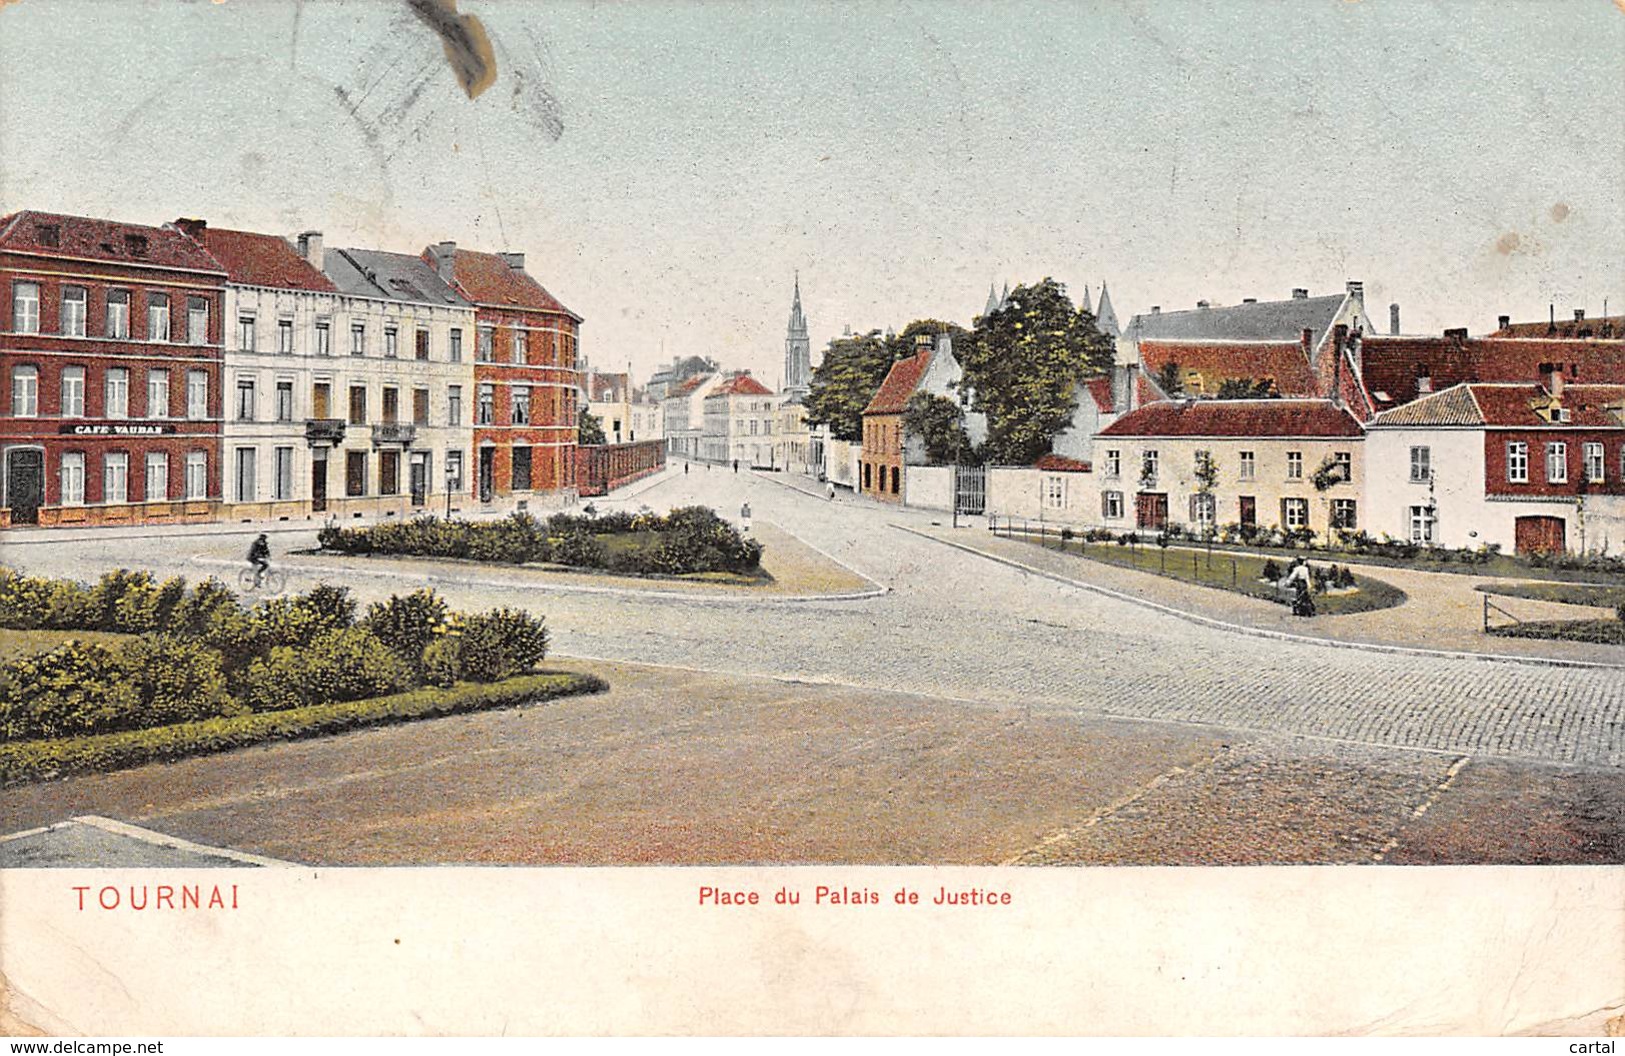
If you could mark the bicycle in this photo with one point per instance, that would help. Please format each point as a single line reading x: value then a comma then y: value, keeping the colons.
x: 273, y: 581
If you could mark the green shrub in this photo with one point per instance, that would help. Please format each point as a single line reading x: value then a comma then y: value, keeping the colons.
x: 579, y: 549
x: 407, y: 625
x: 340, y: 665
x: 75, y: 689
x: 1271, y: 571
x: 503, y: 642
x: 443, y: 661
x: 176, y: 681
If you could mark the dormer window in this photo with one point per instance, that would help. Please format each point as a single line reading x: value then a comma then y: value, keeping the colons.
x: 135, y: 245
x: 50, y: 235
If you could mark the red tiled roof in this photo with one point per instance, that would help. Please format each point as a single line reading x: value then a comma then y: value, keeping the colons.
x: 487, y: 278
x: 901, y: 379
x: 687, y: 386
x: 1101, y: 390
x: 88, y: 238
x: 1240, y: 418
x: 1390, y: 365
x: 742, y: 385
x: 254, y: 259
x: 1283, y: 362
x: 1605, y: 326
x: 1061, y: 464
x: 1514, y: 405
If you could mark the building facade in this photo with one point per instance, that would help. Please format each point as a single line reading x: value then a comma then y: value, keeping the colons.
x: 739, y: 418
x: 111, y: 358
x: 525, y: 379
x: 682, y: 414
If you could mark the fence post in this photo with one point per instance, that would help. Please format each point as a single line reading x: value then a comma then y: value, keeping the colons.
x: 1232, y: 573
x: 1486, y: 614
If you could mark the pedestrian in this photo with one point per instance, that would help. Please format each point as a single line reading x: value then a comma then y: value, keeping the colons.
x: 1297, y: 580
x: 736, y: 465
x: 744, y: 517
x: 685, y: 468
x: 829, y: 491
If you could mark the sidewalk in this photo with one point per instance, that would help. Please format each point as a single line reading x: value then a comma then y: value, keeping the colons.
x: 1442, y: 611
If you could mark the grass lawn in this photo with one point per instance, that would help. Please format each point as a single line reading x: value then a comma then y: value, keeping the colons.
x: 1563, y: 593
x: 24, y: 643
x: 1240, y: 573
x: 1601, y: 632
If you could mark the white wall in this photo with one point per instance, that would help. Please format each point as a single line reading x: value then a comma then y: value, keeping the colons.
x: 929, y: 487
x: 1023, y: 493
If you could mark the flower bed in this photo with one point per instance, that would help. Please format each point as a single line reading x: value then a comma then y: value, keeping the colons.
x: 687, y: 541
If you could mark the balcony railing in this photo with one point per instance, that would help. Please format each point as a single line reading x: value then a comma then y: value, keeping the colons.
x: 393, y: 433
x: 324, y: 431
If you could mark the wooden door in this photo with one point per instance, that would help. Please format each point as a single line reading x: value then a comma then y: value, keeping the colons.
x: 1539, y: 535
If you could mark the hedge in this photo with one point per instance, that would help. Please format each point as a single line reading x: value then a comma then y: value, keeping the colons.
x: 41, y: 760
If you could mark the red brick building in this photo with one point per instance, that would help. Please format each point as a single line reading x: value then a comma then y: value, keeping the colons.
x: 525, y: 378
x: 110, y: 361
x: 881, y: 474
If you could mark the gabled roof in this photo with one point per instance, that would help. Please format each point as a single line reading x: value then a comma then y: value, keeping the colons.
x: 1237, y: 418
x: 1283, y: 362
x: 1259, y: 321
x: 1391, y: 365
x: 397, y: 276
x: 688, y: 385
x: 1453, y: 406
x: 1511, y: 406
x: 742, y: 385
x: 1100, y: 390
x: 255, y: 259
x: 89, y: 238
x: 488, y: 279
x: 901, y: 381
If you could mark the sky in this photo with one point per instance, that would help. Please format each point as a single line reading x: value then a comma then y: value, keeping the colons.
x: 669, y: 167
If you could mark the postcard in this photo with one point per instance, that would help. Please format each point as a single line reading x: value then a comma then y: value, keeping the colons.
x: 961, y: 518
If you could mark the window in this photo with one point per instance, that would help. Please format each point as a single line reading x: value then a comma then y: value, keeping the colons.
x: 355, y: 473
x: 157, y: 476
x: 485, y: 348
x: 245, y: 399
x: 1343, y: 514
x: 423, y: 344
x: 116, y: 477
x: 1294, y: 465
x: 1343, y: 465
x: 245, y: 333
x: 284, y: 401
x: 454, y: 470
x: 118, y: 314
x: 389, y: 472
x: 520, y: 345
x: 72, y: 323
x: 1517, y: 462
x: 116, y: 391
x: 324, y: 339
x: 454, y: 405
x: 1594, y: 463
x: 1148, y: 465
x: 1294, y: 514
x: 197, y: 320
x: 25, y: 307
x: 1422, y: 524
x: 1421, y: 465
x: 321, y: 400
x: 1247, y: 510
x: 73, y: 392
x: 1557, y: 462
x: 521, y: 469
x: 197, y: 394
x: 284, y: 336
x: 420, y: 406
x: 392, y: 404
x: 197, y: 475
x: 282, y: 473
x: 1202, y: 507
x: 456, y: 344
x: 486, y: 412
x: 1055, y: 492
x: 246, y: 491
x: 392, y: 345
x: 157, y: 393
x: 358, y: 405
x: 1111, y: 505
x: 73, y: 478
x: 1248, y: 463
x: 157, y: 317
x: 24, y: 392
x: 358, y: 339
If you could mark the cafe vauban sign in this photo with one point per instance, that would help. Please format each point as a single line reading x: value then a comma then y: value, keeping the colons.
x: 116, y: 429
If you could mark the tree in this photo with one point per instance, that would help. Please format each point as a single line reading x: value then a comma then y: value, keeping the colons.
x: 1207, y: 478
x: 589, y: 428
x: 940, y: 423
x: 1247, y: 389
x: 1168, y: 380
x: 845, y: 381
x: 1025, y: 365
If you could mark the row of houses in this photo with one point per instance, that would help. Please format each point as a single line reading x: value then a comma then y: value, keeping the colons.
x: 1514, y: 439
x: 189, y: 373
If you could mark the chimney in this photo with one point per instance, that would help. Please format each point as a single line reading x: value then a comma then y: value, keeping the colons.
x: 1156, y: 309
x: 1503, y: 322
x: 1340, y: 336
x: 1393, y: 318
x: 1551, y: 375
x: 1579, y: 315
x: 1249, y: 300
x: 922, y: 343
x: 1457, y: 334
x: 1203, y: 304
x: 310, y: 247
x: 1356, y: 289
x: 1424, y: 379
x: 445, y: 256
x: 192, y: 228
x: 1300, y: 294
x: 516, y: 261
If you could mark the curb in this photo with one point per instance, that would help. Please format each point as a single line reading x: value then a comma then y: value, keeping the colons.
x: 1259, y: 632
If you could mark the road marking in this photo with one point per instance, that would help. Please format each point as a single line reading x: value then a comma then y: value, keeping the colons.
x: 159, y: 839
x: 1424, y: 806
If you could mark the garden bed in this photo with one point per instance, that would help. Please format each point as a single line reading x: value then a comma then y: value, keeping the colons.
x: 1593, y: 595
x: 58, y: 757
x: 1600, y: 631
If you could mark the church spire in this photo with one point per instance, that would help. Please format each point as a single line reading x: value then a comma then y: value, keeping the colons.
x: 797, y: 349
x: 1085, y: 306
x: 1105, y: 318
x: 992, y: 300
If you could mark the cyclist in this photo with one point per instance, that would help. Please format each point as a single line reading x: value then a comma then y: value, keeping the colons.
x: 259, y: 556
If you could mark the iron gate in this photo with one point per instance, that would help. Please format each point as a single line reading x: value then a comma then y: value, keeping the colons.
x: 970, y: 489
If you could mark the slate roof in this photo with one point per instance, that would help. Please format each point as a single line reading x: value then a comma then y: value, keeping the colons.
x: 901, y: 381
x: 1237, y: 418
x: 1510, y: 406
x: 488, y: 279
x: 89, y: 238
x: 255, y: 259
x: 397, y: 276
x: 1283, y: 362
x: 742, y: 385
x: 1260, y: 321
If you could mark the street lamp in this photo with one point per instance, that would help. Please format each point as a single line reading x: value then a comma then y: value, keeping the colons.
x: 450, y: 478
